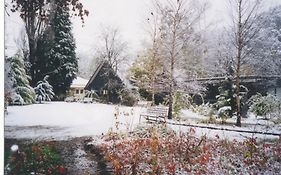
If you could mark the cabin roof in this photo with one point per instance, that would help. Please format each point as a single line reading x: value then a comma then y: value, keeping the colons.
x: 94, y: 74
x: 79, y: 82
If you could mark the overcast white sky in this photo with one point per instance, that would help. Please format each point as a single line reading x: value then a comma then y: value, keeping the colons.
x: 127, y: 15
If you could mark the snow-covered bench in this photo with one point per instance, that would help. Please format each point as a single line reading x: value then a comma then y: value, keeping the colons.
x: 155, y: 114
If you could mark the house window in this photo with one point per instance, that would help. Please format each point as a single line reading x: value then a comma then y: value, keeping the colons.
x: 81, y: 91
x: 104, y: 92
x: 77, y: 91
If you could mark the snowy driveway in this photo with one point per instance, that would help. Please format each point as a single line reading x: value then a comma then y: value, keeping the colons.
x: 61, y: 120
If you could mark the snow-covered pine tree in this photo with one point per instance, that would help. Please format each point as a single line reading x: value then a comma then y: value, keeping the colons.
x: 225, y: 100
x: 17, y: 82
x: 56, y: 51
x: 43, y: 90
x: 63, y: 51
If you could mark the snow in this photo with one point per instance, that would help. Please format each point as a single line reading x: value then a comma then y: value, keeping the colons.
x: 79, y: 82
x: 61, y: 120
x: 252, y: 123
x: 223, y: 109
x: 14, y: 148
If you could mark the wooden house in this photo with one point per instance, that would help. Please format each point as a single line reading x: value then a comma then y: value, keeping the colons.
x: 105, y: 83
x: 77, y: 88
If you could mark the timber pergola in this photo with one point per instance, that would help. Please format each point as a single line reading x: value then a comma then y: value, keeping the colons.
x: 243, y: 78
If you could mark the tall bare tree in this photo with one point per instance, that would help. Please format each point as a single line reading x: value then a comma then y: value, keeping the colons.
x: 113, y: 48
x: 244, y: 15
x: 178, y: 18
x: 154, y: 64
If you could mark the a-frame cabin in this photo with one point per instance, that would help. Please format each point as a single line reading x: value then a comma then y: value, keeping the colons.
x: 106, y: 83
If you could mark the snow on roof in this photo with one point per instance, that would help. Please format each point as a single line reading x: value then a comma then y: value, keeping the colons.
x: 79, y: 82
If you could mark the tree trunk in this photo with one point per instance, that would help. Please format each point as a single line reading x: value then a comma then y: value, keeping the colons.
x: 171, y: 90
x: 32, y: 42
x: 238, y: 103
x: 170, y: 112
x: 238, y: 63
x: 32, y: 55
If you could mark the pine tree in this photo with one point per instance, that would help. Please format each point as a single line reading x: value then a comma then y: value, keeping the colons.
x: 44, y: 91
x: 56, y: 51
x: 20, y: 93
x: 36, y: 14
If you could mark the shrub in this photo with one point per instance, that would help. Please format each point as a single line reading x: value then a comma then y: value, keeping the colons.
x: 180, y: 101
x: 164, y: 152
x: 160, y: 152
x: 205, y: 109
x: 34, y: 159
x: 128, y: 98
x: 44, y: 91
x: 264, y: 105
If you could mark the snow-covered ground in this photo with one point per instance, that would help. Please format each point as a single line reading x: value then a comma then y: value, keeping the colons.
x: 61, y: 120
x: 251, y: 124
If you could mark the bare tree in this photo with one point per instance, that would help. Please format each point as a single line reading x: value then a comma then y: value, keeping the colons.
x: 154, y: 63
x: 112, y: 49
x: 178, y: 18
x: 244, y: 14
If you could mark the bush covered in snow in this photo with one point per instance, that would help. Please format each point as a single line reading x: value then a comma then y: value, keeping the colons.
x: 205, y: 109
x: 44, y: 91
x: 265, y: 106
x: 17, y: 82
x: 224, y: 104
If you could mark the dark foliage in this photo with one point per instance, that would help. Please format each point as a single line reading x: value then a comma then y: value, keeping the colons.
x: 56, y: 52
x: 106, y: 83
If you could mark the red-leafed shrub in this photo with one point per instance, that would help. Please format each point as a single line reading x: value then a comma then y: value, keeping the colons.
x: 160, y: 151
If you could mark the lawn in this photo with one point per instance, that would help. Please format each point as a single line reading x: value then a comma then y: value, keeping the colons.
x: 61, y: 120
x: 112, y: 135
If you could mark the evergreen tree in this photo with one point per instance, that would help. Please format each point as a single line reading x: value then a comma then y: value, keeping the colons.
x: 36, y: 14
x: 20, y: 92
x: 226, y: 99
x: 56, y: 51
x: 44, y: 91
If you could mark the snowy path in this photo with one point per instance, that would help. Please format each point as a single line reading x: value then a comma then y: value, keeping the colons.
x: 61, y: 120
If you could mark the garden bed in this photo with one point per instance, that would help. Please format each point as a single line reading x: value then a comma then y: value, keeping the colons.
x: 162, y: 151
x: 74, y: 157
